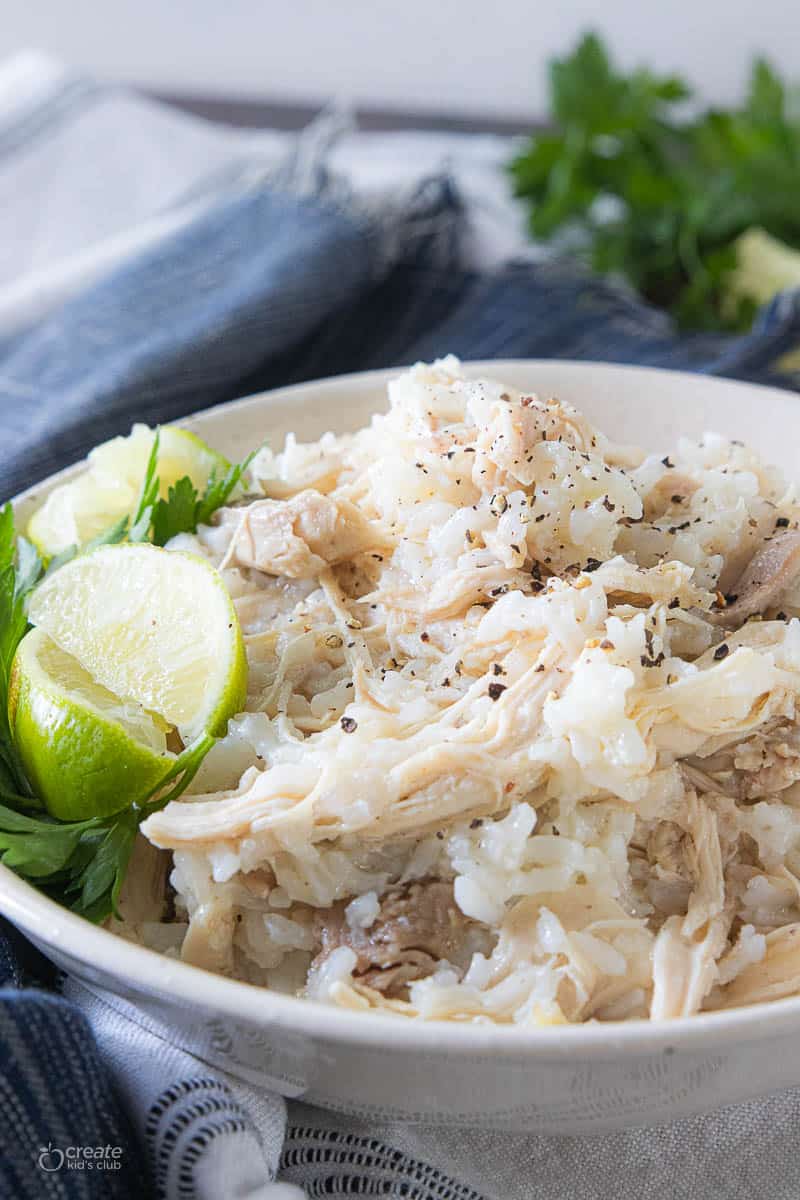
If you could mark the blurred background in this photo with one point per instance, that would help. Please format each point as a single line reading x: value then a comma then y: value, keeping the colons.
x: 467, y: 58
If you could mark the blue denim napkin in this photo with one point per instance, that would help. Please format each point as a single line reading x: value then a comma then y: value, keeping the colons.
x: 268, y: 288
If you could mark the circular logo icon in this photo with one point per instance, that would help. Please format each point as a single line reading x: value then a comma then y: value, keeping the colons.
x: 50, y: 1157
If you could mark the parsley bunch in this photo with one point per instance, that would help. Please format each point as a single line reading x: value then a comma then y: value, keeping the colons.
x: 645, y: 189
x: 82, y: 864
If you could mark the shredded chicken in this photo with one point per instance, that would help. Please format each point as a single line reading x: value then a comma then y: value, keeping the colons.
x: 209, y: 940
x: 686, y: 950
x: 772, y: 977
x: 416, y: 927
x: 669, y: 883
x: 446, y: 768
x: 298, y: 537
x: 144, y: 893
x: 764, y: 580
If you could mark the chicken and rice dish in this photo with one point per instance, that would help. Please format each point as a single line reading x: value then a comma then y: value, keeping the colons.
x: 521, y: 741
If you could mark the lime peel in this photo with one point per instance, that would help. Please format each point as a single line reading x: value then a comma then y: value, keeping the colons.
x: 84, y: 752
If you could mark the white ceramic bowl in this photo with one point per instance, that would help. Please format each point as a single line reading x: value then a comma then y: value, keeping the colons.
x: 567, y: 1080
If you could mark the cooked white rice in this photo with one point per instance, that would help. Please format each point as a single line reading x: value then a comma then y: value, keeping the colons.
x: 496, y: 693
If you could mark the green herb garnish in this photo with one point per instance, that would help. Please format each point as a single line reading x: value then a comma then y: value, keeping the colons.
x: 156, y: 518
x: 82, y: 864
x: 641, y: 188
x: 79, y: 863
x: 184, y: 508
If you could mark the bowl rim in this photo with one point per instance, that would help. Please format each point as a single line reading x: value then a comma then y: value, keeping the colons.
x: 66, y: 933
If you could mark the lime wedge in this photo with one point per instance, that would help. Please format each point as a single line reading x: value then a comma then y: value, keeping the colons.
x: 154, y: 627
x: 77, y: 511
x: 85, y: 752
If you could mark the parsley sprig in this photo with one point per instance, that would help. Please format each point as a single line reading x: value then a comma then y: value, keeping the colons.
x: 82, y: 864
x: 642, y: 187
x: 156, y: 518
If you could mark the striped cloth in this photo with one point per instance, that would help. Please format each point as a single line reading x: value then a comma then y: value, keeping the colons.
x: 159, y: 265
